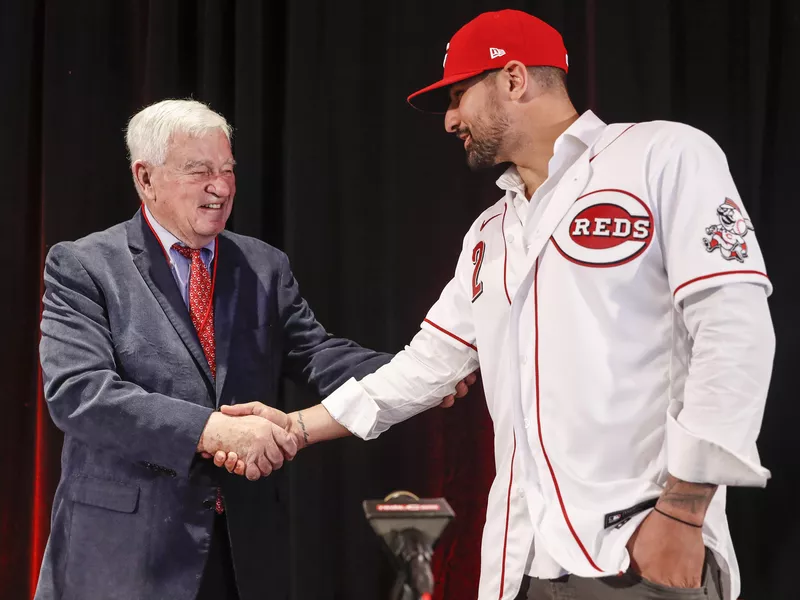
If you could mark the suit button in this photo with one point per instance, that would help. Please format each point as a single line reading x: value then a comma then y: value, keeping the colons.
x: 210, y: 503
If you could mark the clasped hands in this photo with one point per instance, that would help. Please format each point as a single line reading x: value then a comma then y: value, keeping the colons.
x: 254, y: 439
x: 251, y: 439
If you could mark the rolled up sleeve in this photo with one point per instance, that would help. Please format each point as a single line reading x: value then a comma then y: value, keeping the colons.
x: 711, y: 435
x: 416, y: 379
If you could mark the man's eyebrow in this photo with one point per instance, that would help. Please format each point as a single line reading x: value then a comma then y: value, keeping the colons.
x: 201, y: 164
x: 193, y: 164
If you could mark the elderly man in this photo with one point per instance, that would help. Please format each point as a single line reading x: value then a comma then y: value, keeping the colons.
x: 148, y: 328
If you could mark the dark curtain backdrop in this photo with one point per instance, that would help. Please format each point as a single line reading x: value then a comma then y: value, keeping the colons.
x: 370, y: 200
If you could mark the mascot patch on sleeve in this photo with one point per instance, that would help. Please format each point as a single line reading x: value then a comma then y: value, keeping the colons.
x: 728, y: 235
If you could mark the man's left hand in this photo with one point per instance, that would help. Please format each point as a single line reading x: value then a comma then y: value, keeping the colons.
x: 667, y: 552
x: 462, y: 388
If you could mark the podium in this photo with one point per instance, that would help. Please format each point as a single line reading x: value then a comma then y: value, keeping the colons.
x: 409, y: 527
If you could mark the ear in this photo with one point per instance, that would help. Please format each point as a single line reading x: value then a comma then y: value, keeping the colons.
x: 515, y: 79
x: 142, y: 176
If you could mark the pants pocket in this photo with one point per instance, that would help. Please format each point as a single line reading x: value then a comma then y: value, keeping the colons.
x: 657, y: 591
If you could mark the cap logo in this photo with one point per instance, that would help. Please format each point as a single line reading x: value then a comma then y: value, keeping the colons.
x: 444, y: 62
x: 496, y: 52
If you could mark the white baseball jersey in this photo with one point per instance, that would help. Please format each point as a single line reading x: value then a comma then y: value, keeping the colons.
x: 578, y: 308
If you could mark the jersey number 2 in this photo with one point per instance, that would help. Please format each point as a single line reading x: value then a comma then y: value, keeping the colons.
x: 477, y: 260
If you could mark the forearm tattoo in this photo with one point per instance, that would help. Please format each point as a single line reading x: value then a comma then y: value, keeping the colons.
x: 690, y: 497
x: 302, y: 426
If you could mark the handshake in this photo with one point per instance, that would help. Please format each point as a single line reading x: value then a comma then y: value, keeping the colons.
x: 251, y: 439
x: 254, y: 439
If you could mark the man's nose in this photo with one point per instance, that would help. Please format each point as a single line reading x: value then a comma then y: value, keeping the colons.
x: 451, y: 120
x: 219, y: 187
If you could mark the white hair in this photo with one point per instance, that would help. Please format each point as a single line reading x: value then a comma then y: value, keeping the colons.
x: 150, y: 131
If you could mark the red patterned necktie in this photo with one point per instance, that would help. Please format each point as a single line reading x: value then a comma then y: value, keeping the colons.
x: 201, y: 307
x: 201, y: 310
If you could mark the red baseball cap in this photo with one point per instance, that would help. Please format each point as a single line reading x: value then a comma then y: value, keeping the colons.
x: 490, y: 41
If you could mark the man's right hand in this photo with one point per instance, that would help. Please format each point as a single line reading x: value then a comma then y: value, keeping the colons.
x: 318, y: 424
x: 259, y: 445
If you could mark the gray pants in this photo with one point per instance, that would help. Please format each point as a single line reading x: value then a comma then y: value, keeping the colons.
x: 629, y: 586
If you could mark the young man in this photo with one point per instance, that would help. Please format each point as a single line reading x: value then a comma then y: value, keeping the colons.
x: 615, y: 300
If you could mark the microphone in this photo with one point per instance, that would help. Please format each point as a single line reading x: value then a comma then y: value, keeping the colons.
x: 410, y: 527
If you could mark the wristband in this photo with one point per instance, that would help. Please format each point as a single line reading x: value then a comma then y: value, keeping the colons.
x: 661, y: 512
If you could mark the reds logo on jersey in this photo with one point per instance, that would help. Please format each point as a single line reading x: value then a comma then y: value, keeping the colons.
x: 729, y: 234
x: 604, y: 228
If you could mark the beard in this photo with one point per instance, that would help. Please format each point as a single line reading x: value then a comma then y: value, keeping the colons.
x: 487, y: 140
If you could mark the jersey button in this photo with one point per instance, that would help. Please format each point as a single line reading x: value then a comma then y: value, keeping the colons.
x: 523, y: 359
x: 521, y: 493
x: 526, y: 423
x: 510, y: 239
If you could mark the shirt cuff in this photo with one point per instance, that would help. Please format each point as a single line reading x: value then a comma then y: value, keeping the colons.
x: 354, y: 409
x: 694, y: 459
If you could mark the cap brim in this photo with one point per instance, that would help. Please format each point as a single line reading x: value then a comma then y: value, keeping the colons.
x: 434, y: 98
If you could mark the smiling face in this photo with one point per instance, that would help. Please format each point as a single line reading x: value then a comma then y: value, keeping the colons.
x: 476, y: 116
x: 727, y: 217
x: 191, y: 194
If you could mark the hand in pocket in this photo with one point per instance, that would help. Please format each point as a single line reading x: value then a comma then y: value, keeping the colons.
x: 667, y: 552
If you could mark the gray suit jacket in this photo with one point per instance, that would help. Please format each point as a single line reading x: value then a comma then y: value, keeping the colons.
x: 126, y: 380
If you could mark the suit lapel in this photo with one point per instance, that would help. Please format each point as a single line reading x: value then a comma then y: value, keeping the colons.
x: 149, y: 258
x: 226, y: 295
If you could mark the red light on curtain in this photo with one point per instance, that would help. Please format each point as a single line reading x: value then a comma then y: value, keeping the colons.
x: 40, y: 523
x: 39, y: 516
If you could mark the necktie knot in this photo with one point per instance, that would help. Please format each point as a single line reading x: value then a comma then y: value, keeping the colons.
x: 190, y: 253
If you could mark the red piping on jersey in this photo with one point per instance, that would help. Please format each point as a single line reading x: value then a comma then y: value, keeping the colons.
x: 505, y: 252
x: 539, y: 419
x: 452, y: 335
x: 508, y: 515
x: 486, y: 222
x: 683, y: 285
x: 612, y: 141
